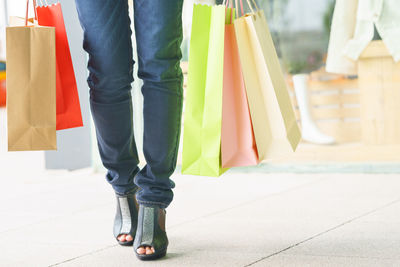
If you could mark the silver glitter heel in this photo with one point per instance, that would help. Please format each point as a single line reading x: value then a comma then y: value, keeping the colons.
x: 151, y: 232
x: 126, y: 217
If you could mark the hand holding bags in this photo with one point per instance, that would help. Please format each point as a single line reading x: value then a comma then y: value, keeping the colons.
x: 275, y: 127
x: 31, y: 106
x: 68, y: 108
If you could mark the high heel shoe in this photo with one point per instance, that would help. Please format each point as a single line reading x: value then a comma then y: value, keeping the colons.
x: 126, y: 217
x: 151, y: 232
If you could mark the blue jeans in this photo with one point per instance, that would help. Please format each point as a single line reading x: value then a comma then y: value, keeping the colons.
x: 107, y: 40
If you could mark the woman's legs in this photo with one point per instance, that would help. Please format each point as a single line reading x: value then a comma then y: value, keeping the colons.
x: 107, y: 39
x: 158, y: 29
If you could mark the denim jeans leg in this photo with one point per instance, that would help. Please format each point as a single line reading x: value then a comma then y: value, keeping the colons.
x: 158, y: 29
x: 107, y: 40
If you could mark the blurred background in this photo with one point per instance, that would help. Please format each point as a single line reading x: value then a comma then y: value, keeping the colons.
x: 337, y: 134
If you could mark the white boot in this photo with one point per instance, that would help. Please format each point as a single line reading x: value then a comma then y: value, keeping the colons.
x: 310, y: 131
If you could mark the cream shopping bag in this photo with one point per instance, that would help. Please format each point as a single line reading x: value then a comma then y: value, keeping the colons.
x: 31, y: 87
x: 274, y: 122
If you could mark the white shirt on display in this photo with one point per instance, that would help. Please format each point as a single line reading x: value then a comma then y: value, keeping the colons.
x: 353, y: 29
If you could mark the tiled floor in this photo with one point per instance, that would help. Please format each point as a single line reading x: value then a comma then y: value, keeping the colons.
x: 62, y: 218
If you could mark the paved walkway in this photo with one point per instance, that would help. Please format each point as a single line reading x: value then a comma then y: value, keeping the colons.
x: 58, y: 218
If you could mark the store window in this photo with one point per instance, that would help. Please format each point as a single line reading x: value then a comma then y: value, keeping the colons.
x: 349, y: 119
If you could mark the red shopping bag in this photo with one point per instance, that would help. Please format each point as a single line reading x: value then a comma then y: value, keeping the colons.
x: 68, y: 108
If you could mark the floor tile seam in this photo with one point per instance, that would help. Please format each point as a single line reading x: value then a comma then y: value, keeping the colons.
x: 326, y: 231
x: 82, y: 255
x: 339, y: 256
x: 248, y: 202
x: 56, y: 217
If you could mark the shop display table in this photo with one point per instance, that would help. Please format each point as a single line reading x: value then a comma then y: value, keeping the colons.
x: 379, y: 83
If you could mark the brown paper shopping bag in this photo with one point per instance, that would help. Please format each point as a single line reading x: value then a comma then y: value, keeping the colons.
x: 31, y: 87
x: 274, y: 122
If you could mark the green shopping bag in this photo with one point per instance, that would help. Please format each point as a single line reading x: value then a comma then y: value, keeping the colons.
x: 203, y: 108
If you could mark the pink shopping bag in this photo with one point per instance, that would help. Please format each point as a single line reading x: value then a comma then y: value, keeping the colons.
x: 238, y: 146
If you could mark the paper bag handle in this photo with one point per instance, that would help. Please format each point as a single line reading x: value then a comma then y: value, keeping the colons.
x: 253, y: 2
x: 27, y: 11
x: 230, y: 2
